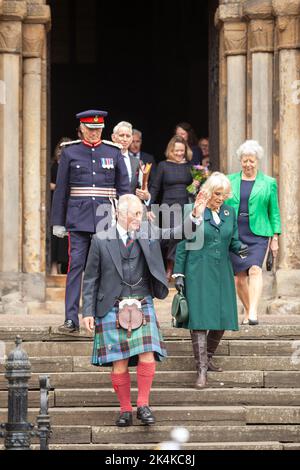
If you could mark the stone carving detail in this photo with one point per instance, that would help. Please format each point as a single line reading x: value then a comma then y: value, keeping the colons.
x: 261, y: 9
x: 288, y: 32
x: 14, y: 10
x: 10, y: 36
x: 235, y: 34
x: 33, y: 40
x: 37, y: 13
x: 286, y: 7
x: 229, y: 12
x: 261, y: 35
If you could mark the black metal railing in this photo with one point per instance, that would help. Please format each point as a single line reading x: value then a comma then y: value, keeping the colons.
x: 17, y: 432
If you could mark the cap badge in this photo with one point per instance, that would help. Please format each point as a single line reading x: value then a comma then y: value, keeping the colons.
x: 96, y: 119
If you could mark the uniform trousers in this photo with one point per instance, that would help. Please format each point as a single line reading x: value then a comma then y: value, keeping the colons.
x: 79, y: 244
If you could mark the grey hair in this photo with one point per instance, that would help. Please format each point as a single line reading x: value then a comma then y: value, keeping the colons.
x: 215, y: 181
x: 250, y: 147
x: 122, y: 124
x: 125, y: 202
x: 139, y: 133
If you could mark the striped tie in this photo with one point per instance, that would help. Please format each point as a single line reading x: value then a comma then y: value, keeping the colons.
x: 129, y: 243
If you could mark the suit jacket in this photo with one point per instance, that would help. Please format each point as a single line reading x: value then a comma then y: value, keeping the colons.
x: 134, y: 162
x: 147, y: 158
x: 264, y: 216
x: 102, y: 282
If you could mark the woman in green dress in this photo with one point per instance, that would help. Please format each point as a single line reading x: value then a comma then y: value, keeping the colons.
x: 205, y: 270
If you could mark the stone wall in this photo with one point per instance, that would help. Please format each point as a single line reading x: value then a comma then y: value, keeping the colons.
x: 23, y: 107
x: 260, y: 99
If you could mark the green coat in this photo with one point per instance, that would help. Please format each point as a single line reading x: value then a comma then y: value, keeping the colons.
x: 209, y: 281
x: 264, y: 217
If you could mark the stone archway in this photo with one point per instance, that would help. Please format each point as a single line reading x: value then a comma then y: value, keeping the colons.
x: 259, y: 73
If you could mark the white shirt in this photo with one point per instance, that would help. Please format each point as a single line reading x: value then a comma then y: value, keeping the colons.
x: 123, y: 234
x: 127, y: 163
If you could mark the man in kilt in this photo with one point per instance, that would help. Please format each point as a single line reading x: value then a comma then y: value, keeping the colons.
x: 126, y: 262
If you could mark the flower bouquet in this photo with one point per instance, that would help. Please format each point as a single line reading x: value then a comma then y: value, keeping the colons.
x: 199, y: 173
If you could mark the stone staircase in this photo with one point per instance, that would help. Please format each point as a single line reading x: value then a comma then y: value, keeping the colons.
x: 253, y: 404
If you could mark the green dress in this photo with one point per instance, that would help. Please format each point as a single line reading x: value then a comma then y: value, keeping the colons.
x: 209, y: 282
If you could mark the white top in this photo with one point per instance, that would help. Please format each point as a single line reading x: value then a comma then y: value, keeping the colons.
x: 123, y: 234
x: 127, y: 163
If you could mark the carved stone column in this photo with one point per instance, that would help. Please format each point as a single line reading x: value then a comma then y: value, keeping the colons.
x: 235, y: 49
x: 261, y: 46
x: 10, y: 49
x: 34, y: 149
x: 33, y: 36
x: 288, y: 44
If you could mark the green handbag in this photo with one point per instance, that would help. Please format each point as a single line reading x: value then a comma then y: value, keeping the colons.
x: 179, y: 310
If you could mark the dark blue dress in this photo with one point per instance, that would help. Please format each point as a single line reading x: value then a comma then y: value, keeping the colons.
x: 257, y: 244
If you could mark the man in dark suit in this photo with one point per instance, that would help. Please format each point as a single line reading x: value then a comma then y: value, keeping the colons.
x: 125, y: 264
x: 91, y: 174
x: 135, y: 150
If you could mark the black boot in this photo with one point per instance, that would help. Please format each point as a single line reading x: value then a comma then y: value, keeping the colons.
x: 213, y: 340
x: 199, y: 342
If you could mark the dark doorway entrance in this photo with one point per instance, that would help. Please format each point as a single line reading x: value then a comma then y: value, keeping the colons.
x: 143, y: 62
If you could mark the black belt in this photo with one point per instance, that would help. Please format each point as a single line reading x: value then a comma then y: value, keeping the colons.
x: 244, y: 214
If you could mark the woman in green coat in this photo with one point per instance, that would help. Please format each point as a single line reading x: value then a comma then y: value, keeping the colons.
x: 206, y: 272
x: 255, y: 200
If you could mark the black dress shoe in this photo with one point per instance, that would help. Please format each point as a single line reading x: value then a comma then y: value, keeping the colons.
x: 145, y: 415
x: 68, y: 327
x: 125, y: 419
x: 253, y: 322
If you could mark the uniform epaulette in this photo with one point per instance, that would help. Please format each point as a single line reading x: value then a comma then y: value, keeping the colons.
x: 63, y: 144
x: 109, y: 142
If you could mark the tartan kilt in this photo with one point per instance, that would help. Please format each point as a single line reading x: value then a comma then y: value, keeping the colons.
x: 111, y: 343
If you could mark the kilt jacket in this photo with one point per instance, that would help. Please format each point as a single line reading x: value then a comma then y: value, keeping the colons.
x: 102, y: 282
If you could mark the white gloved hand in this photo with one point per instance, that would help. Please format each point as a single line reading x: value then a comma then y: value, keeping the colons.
x: 59, y: 231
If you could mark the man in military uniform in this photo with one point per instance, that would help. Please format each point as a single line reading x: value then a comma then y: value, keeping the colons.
x: 91, y: 173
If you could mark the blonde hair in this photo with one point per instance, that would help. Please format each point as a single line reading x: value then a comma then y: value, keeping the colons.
x: 250, y: 147
x: 188, y: 154
x: 215, y: 181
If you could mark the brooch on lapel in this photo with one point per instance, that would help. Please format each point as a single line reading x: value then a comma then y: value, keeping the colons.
x: 226, y: 212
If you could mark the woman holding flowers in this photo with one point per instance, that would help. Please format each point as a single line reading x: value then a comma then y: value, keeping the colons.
x: 204, y: 269
x: 255, y: 200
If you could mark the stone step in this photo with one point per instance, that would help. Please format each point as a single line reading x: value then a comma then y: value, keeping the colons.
x: 162, y: 379
x: 264, y: 332
x: 139, y: 434
x: 33, y: 398
x: 93, y: 416
x: 181, y: 397
x: 273, y: 415
x: 142, y: 434
x: 184, y: 415
x: 189, y: 446
x: 84, y: 348
x: 56, y: 280
x: 180, y: 363
x: 55, y: 294
x: 184, y: 363
x: 262, y: 347
x: 177, y: 348
x: 55, y: 308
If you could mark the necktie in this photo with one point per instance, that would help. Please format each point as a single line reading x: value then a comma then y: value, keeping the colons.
x: 129, y: 243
